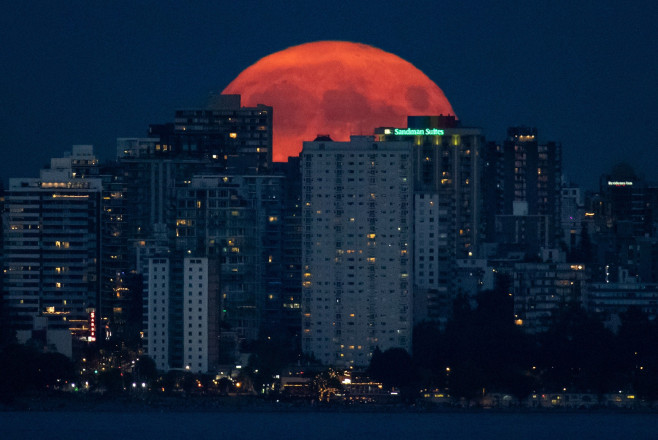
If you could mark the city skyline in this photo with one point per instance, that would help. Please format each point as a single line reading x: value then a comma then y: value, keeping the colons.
x: 349, y: 219
x: 83, y: 74
x: 467, y: 217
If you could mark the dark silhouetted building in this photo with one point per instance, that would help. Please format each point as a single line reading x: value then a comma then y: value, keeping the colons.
x: 523, y: 193
x: 625, y: 233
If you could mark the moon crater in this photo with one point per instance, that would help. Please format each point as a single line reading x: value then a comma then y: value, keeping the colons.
x: 337, y: 88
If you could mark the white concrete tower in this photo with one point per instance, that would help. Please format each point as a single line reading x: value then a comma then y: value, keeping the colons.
x: 356, y: 248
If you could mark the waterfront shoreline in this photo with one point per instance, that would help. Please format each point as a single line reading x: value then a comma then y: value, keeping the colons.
x: 173, y: 404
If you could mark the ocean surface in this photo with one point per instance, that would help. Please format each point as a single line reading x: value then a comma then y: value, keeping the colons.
x: 325, y: 425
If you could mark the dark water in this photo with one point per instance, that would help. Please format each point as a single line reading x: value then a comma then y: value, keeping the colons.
x: 320, y: 426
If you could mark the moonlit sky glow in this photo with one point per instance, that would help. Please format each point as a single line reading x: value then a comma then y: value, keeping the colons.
x: 584, y: 73
x: 337, y: 88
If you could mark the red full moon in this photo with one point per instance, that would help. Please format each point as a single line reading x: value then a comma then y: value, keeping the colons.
x: 337, y: 88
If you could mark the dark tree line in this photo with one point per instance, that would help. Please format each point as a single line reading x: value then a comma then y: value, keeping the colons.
x: 481, y: 349
x: 24, y: 368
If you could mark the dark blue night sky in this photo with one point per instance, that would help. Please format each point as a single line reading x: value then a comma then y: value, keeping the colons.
x: 85, y: 72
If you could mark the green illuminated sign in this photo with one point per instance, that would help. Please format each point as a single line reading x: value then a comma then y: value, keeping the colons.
x: 417, y: 132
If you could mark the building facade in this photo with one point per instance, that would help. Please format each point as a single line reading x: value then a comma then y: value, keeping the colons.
x: 223, y: 132
x: 542, y: 289
x: 52, y: 247
x: 357, y: 248
x: 237, y: 219
x: 447, y: 206
x: 182, y: 313
x: 524, y: 197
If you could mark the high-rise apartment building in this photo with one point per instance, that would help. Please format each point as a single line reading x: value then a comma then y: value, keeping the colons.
x: 182, y: 311
x: 163, y: 206
x: 357, y: 248
x: 572, y: 213
x: 291, y: 257
x: 447, y: 206
x: 625, y: 227
x: 523, y: 202
x: 52, y: 246
x: 156, y: 341
x: 120, y: 286
x: 237, y: 219
x: 627, y: 203
x: 541, y: 289
x: 228, y: 135
x: 222, y: 137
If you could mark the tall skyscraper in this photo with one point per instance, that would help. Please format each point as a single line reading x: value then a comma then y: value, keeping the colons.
x: 120, y: 306
x: 52, y: 246
x: 572, y: 216
x: 357, y: 248
x: 447, y: 206
x: 291, y: 257
x: 198, y: 185
x: 220, y: 138
x: 625, y: 227
x: 525, y: 197
x: 237, y: 219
